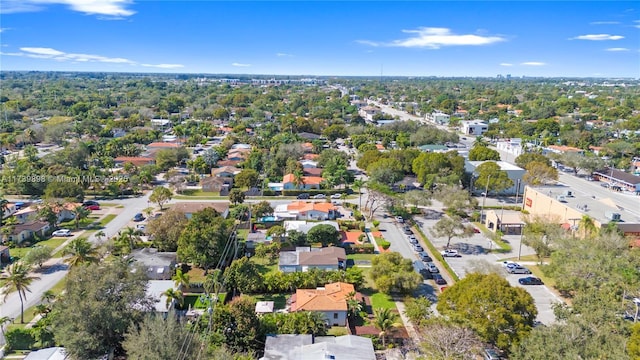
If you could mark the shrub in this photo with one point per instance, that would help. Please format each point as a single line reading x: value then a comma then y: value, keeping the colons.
x: 384, y: 244
x: 19, y: 339
x: 376, y: 223
x: 362, y: 249
x: 362, y: 226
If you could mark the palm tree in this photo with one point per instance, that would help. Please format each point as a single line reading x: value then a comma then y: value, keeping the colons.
x: 99, y: 235
x: 358, y: 184
x: 81, y: 251
x: 298, y: 179
x: 48, y: 296
x: 4, y: 206
x: 131, y: 235
x: 29, y: 135
x: 181, y: 279
x: 587, y: 226
x: 18, y: 278
x: 353, y: 305
x: 4, y: 321
x: 173, y: 296
x: 80, y: 213
x: 385, y: 320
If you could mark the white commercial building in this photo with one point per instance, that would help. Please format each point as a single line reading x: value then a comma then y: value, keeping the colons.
x: 474, y: 127
x: 510, y: 146
x: 515, y: 173
x: 439, y: 117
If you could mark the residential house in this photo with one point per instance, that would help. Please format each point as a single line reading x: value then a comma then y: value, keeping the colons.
x: 330, y: 300
x: 163, y: 145
x: 232, y: 163
x: 156, y: 290
x: 240, y: 146
x: 368, y: 112
x: 66, y: 211
x: 5, y: 256
x: 26, y: 214
x: 190, y: 208
x: 308, y: 182
x: 310, y: 156
x: 301, y: 210
x: 306, y: 164
x: 511, y: 146
x: 408, y: 183
x: 312, y: 172
x: 561, y: 149
x: 304, y: 226
x: 307, y: 147
x: 438, y: 117
x: 159, y: 265
x: 225, y: 171
x: 160, y: 124
x: 305, y: 258
x: 118, y: 132
x: 135, y: 160
x: 52, y: 353
x: 238, y: 154
x: 27, y: 231
x: 216, y: 184
x: 10, y: 210
x: 297, y: 347
x: 434, y: 148
x: 635, y: 166
x: 474, y: 127
x: 309, y: 136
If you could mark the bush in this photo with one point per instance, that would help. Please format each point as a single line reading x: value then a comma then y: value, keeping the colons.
x: 362, y: 226
x: 361, y: 249
x: 19, y: 339
x: 383, y: 244
x: 376, y: 223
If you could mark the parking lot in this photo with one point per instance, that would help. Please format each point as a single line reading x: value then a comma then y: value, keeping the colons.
x: 475, y: 254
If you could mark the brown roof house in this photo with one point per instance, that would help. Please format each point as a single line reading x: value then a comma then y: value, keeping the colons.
x: 305, y: 258
x: 189, y: 208
x: 330, y: 300
x: 216, y: 184
x: 225, y: 171
x: 26, y: 231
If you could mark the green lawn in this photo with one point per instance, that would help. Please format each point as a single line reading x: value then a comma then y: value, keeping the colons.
x: 380, y: 300
x: 537, y: 272
x: 50, y: 243
x: 279, y: 300
x: 264, y: 265
x: 355, y: 257
x: 199, y: 301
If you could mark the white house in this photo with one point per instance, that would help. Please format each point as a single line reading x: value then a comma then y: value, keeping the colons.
x: 308, y: 164
x: 510, y: 146
x: 515, y: 173
x: 474, y: 127
x: 438, y: 117
x: 368, y: 112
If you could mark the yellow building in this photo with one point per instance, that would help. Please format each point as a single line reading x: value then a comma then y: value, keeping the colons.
x: 563, y: 204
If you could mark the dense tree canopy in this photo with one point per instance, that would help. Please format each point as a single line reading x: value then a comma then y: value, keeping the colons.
x: 203, y: 240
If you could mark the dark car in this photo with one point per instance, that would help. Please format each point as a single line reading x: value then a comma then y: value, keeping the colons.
x: 439, y: 279
x: 90, y: 203
x: 425, y: 257
x: 138, y: 217
x: 530, y: 280
x: 303, y: 196
x: 408, y: 231
x: 426, y: 274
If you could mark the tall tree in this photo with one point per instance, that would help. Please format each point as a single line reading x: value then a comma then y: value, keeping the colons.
x: 100, y: 304
x: 160, y: 196
x: 450, y: 227
x: 492, y: 178
x: 236, y: 196
x: 157, y: 338
x: 165, y: 230
x: 499, y: 313
x: 80, y: 213
x: 18, y: 278
x: 539, y: 173
x: 392, y: 273
x: 37, y: 255
x: 203, y: 240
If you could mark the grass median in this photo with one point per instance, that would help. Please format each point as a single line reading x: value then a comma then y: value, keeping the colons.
x: 436, y: 254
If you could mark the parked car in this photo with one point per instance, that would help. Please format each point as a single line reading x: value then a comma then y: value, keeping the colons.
x: 426, y: 274
x: 413, y: 240
x: 432, y: 267
x: 439, y: 279
x: 141, y: 227
x: 90, y: 203
x: 476, y: 230
x: 303, y: 196
x: 399, y: 219
x: 518, y: 270
x: 336, y: 196
x: 418, y: 248
x: 320, y: 196
x: 450, y: 253
x: 530, y: 280
x: 425, y: 257
x: 92, y: 207
x: 408, y: 231
x: 138, y: 217
x: 62, y: 232
x: 490, y: 354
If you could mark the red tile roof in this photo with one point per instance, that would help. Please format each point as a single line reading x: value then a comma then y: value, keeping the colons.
x: 330, y: 298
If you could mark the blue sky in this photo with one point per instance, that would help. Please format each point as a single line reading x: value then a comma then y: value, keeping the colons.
x: 414, y: 38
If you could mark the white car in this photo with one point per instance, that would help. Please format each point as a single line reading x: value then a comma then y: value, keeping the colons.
x: 450, y: 253
x: 336, y: 196
x: 62, y: 232
x: 320, y: 196
x: 509, y: 264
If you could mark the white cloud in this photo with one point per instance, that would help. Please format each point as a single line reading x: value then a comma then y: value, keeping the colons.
x: 533, y: 63
x: 506, y: 64
x: 604, y: 23
x: 4, y: 29
x: 53, y: 54
x: 284, y: 55
x: 240, y: 65
x: 111, y: 8
x: 637, y: 25
x: 598, y: 37
x: 617, y: 49
x: 435, y: 38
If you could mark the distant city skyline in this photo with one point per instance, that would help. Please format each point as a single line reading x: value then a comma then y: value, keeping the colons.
x: 332, y: 38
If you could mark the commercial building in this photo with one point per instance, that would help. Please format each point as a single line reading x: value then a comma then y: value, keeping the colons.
x: 514, y: 172
x: 619, y: 179
x: 474, y: 127
x: 562, y: 204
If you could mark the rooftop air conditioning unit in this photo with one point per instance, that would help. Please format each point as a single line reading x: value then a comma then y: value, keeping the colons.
x: 612, y: 216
